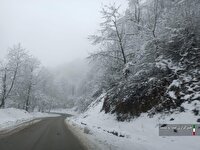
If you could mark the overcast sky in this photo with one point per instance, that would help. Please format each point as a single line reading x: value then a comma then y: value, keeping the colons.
x: 55, y: 31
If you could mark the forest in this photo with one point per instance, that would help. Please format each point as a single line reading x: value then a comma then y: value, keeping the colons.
x: 146, y: 60
x: 124, y: 78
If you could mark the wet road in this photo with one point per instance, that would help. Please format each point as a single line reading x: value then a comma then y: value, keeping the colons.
x: 48, y: 134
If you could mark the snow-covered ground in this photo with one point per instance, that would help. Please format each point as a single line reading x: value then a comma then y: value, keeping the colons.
x: 139, y: 134
x: 11, y: 118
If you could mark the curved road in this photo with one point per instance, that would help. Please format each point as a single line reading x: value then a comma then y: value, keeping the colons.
x: 48, y: 134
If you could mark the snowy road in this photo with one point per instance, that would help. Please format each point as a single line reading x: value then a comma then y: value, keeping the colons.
x: 48, y: 134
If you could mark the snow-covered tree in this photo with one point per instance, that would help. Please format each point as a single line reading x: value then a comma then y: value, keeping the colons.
x: 10, y: 70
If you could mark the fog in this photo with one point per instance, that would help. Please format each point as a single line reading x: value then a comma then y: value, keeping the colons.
x: 55, y: 31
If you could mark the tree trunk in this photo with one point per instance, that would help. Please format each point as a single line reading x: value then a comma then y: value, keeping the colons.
x: 5, y: 92
x: 155, y: 18
x: 13, y: 80
x: 120, y: 41
x: 28, y: 98
x: 2, y: 105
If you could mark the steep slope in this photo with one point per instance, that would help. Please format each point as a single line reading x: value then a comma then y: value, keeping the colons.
x: 141, y: 133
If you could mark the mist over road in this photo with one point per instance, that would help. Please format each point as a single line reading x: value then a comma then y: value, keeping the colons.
x: 48, y: 134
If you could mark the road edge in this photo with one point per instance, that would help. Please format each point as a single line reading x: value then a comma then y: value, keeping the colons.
x: 16, y: 128
x: 78, y: 132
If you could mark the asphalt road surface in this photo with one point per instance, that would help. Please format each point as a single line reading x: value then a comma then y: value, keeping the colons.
x: 48, y: 134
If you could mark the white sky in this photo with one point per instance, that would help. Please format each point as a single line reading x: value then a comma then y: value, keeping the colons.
x: 55, y: 31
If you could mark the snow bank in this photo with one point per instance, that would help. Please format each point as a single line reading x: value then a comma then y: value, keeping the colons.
x: 11, y: 117
x: 79, y: 133
x: 140, y: 134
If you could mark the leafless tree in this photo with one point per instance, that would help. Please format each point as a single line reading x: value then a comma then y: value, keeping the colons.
x: 112, y: 32
x: 15, y: 56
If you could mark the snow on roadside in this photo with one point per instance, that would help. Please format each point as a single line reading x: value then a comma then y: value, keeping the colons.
x: 78, y: 132
x: 11, y: 117
x: 141, y: 133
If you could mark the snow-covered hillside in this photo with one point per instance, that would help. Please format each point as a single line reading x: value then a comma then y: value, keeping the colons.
x: 12, y: 117
x: 139, y: 134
